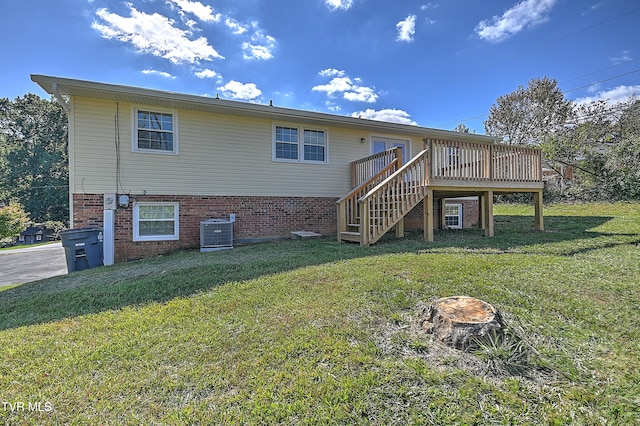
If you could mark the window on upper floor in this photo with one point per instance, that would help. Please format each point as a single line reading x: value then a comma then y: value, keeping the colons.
x: 155, y: 131
x: 299, y: 144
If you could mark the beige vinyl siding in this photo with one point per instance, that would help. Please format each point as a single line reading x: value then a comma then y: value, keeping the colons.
x: 217, y: 155
x: 93, y: 156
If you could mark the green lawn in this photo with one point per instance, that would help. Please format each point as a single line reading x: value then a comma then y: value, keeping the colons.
x: 317, y: 332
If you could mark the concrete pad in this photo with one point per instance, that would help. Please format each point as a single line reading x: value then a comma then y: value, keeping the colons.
x: 303, y: 235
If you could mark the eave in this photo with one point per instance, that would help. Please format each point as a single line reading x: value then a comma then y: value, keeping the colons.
x: 60, y: 87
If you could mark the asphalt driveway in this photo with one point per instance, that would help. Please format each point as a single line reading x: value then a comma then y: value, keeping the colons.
x: 24, y: 265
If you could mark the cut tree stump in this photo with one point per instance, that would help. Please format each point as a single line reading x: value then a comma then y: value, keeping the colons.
x: 459, y: 321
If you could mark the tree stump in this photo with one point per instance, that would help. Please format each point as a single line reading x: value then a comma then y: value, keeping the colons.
x: 459, y: 321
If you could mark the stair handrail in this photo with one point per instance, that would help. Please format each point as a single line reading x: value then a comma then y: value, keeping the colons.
x: 399, y: 193
x: 371, y: 182
x: 348, y: 209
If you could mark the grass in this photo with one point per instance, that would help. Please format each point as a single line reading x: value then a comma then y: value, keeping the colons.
x: 23, y: 246
x: 316, y: 332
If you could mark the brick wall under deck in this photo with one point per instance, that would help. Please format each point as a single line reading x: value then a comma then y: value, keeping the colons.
x: 256, y: 218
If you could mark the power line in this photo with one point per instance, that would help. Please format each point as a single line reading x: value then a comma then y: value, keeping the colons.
x: 568, y: 91
x: 526, y: 52
x: 602, y: 81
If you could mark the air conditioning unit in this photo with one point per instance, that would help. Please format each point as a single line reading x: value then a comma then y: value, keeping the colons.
x: 216, y: 234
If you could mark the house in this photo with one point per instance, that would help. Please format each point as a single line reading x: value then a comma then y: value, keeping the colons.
x: 148, y: 166
x: 34, y: 234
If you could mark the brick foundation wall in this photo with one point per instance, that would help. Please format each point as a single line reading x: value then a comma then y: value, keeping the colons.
x: 256, y: 218
x: 470, y: 214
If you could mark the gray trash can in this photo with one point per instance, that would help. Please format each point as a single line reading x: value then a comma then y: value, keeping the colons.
x: 82, y: 248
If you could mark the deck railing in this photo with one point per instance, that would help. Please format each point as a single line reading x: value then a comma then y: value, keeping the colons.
x: 362, y: 170
x: 464, y: 161
x: 516, y: 164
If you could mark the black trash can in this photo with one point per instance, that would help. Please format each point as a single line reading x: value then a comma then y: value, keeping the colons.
x: 82, y: 248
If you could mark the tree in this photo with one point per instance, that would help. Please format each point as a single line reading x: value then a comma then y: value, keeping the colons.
x: 602, y: 144
x: 529, y: 115
x: 461, y: 128
x: 33, y: 156
x: 13, y: 220
x: 622, y: 159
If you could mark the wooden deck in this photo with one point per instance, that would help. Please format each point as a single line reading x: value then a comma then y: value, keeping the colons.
x: 385, y: 191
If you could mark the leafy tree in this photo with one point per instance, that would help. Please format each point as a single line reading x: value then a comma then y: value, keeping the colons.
x: 529, y: 115
x: 603, y: 146
x: 13, y: 220
x: 33, y: 156
x: 461, y: 128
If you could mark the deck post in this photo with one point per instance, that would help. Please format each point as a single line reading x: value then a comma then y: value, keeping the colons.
x: 365, y: 223
x: 488, y: 213
x: 443, y: 203
x: 400, y: 228
x: 481, y: 219
x: 537, y: 200
x: 342, y: 219
x: 428, y: 215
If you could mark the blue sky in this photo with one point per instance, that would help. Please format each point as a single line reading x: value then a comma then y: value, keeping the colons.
x: 431, y: 63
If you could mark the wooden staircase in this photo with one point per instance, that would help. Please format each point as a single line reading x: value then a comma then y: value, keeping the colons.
x: 378, y: 204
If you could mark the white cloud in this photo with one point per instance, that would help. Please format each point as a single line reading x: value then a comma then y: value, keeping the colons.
x: 361, y: 94
x: 332, y: 106
x: 388, y: 115
x: 154, y: 34
x: 625, y: 56
x: 339, y: 4
x: 206, y: 73
x: 243, y: 91
x: 332, y: 72
x: 349, y: 89
x: 406, y: 29
x: 261, y: 46
x: 429, y: 6
x: 527, y: 13
x: 336, y: 85
x: 612, y: 96
x: 156, y: 72
x: 236, y: 27
x: 201, y: 11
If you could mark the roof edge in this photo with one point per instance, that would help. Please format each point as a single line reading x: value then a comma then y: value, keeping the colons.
x: 57, y: 86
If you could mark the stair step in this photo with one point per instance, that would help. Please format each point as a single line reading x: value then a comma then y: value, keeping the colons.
x: 350, y: 236
x: 354, y: 225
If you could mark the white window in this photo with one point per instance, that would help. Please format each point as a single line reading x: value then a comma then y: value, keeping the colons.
x: 38, y: 237
x: 155, y: 131
x: 298, y: 144
x: 155, y: 221
x: 453, y: 216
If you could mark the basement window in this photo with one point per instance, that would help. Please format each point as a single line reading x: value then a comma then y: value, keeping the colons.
x: 155, y: 221
x: 453, y: 216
